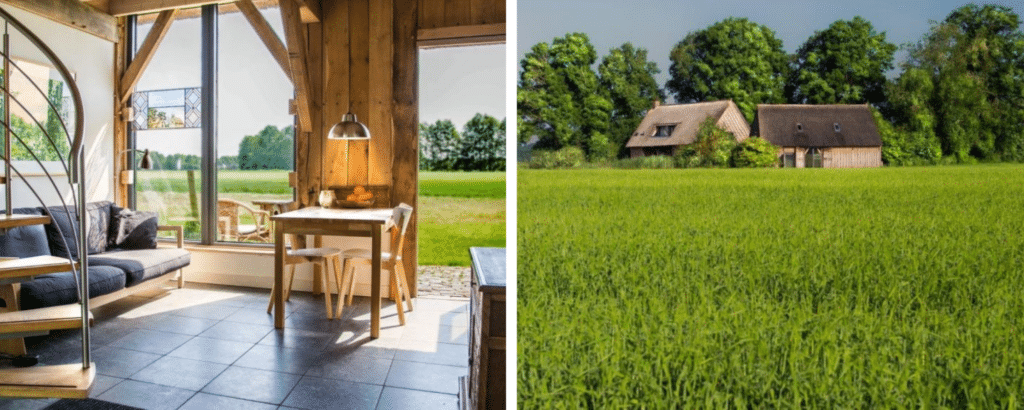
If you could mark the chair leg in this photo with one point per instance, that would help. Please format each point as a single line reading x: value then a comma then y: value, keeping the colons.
x: 404, y: 283
x: 339, y: 275
x: 352, y: 282
x: 181, y: 278
x: 396, y: 294
x: 270, y: 305
x: 325, y: 282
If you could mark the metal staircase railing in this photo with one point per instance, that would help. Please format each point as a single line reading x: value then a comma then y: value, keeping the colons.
x: 74, y: 167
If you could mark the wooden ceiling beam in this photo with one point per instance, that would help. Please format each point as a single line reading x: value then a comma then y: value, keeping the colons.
x: 266, y: 34
x: 145, y: 54
x: 120, y: 8
x: 310, y: 11
x: 74, y: 14
x: 293, y: 34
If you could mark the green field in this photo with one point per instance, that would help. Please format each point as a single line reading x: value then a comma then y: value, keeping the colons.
x: 774, y: 288
x: 457, y: 209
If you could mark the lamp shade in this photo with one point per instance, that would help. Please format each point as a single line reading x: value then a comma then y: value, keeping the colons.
x: 349, y: 129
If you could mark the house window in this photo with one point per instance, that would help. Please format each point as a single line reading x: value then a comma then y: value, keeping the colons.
x: 789, y: 160
x: 664, y: 130
x: 836, y: 127
x: 799, y: 127
x: 813, y: 158
x: 216, y: 122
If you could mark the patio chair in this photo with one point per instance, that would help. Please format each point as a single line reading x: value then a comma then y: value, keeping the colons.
x: 390, y: 261
x: 321, y: 256
x: 229, y: 216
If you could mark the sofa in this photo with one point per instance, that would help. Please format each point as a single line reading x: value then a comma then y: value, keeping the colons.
x: 116, y: 268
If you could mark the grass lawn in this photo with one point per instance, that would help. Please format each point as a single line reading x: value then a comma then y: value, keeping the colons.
x: 457, y: 209
x: 774, y: 288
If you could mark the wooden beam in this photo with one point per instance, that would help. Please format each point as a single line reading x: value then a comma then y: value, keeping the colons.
x: 310, y: 11
x: 266, y: 34
x: 100, y: 5
x: 405, y: 174
x: 128, y: 7
x: 461, y: 35
x: 294, y: 36
x: 145, y: 54
x: 74, y: 14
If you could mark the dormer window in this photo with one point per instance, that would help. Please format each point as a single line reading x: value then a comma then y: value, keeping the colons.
x: 836, y: 127
x: 799, y: 127
x: 664, y: 130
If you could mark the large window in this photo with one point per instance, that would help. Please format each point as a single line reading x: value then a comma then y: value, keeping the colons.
x: 216, y: 168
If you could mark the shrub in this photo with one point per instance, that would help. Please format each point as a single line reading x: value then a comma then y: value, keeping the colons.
x: 712, y: 148
x: 657, y: 162
x: 568, y: 157
x: 755, y: 152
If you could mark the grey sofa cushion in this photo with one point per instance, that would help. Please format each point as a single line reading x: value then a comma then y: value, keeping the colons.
x: 99, y: 225
x: 59, y: 288
x: 25, y: 241
x: 135, y: 229
x: 143, y: 264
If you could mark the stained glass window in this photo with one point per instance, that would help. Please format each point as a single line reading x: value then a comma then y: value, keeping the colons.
x: 175, y: 108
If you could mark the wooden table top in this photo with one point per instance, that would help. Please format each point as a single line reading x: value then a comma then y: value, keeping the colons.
x: 372, y: 215
x: 272, y: 201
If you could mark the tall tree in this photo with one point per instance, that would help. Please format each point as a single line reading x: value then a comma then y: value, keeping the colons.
x: 628, y: 79
x: 271, y: 148
x: 732, y: 59
x: 439, y: 146
x: 844, y: 64
x: 482, y: 147
x: 559, y: 100
x: 976, y: 60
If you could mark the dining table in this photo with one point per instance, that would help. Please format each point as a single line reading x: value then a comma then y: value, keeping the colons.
x: 331, y: 222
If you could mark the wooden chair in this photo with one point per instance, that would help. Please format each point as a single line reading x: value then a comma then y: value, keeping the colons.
x: 320, y: 256
x: 229, y: 213
x: 390, y: 261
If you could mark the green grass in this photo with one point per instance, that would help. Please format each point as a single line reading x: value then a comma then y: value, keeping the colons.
x: 457, y: 210
x: 810, y: 288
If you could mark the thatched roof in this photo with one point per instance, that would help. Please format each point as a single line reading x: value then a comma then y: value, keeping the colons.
x: 687, y: 119
x: 817, y: 125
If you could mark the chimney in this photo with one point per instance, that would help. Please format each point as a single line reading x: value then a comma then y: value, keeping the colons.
x: 657, y: 103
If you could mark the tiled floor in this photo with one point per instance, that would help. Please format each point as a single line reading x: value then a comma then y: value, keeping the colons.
x: 214, y: 347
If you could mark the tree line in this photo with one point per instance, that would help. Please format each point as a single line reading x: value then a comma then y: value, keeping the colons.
x: 270, y: 149
x: 959, y: 96
x: 479, y: 147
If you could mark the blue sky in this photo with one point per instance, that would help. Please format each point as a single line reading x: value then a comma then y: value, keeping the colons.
x: 658, y: 25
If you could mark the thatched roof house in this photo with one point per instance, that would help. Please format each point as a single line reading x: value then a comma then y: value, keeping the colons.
x: 829, y: 136
x: 667, y: 127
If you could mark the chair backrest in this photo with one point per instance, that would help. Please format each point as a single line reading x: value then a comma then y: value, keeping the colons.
x: 400, y: 217
x: 228, y: 209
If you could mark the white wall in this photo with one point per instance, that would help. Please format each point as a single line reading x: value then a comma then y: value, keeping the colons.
x: 257, y: 270
x: 91, y: 61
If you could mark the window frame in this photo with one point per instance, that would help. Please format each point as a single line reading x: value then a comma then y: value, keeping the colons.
x: 657, y: 130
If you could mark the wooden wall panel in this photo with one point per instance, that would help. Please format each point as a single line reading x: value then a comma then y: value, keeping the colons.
x: 406, y: 120
x: 450, y: 13
x: 335, y: 93
x: 359, y: 80
x: 379, y: 119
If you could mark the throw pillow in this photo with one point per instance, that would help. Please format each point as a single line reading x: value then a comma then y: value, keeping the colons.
x: 136, y: 229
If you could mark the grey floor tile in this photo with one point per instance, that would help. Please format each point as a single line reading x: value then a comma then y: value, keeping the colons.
x: 253, y: 384
x: 437, y: 333
x: 436, y: 353
x: 147, y: 396
x: 317, y: 393
x: 207, y: 311
x: 360, y: 369
x: 404, y: 399
x: 203, y: 401
x: 362, y: 345
x: 179, y: 324
x: 425, y: 376
x: 151, y: 341
x: 253, y: 316
x: 24, y: 404
x: 298, y: 338
x: 211, y: 350
x: 238, y: 332
x: 181, y: 373
x: 279, y: 359
x: 102, y: 336
x: 103, y: 383
x: 441, y: 304
x: 117, y: 362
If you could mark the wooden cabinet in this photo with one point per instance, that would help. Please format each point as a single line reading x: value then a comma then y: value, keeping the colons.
x: 484, y: 387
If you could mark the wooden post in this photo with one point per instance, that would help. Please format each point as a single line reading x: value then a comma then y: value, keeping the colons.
x: 405, y: 174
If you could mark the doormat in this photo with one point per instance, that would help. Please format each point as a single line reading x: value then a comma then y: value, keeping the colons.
x: 87, y: 404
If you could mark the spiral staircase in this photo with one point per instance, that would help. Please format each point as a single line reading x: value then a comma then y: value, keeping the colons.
x: 65, y: 380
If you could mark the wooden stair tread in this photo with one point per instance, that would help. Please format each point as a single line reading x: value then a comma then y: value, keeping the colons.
x: 36, y: 265
x: 69, y: 381
x: 48, y: 318
x: 16, y: 220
